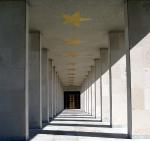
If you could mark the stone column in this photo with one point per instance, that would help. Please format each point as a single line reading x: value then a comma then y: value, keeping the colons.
x: 35, y: 97
x: 54, y: 92
x: 58, y: 97
x: 138, y: 66
x: 90, y: 94
x: 14, y: 70
x: 52, y: 81
x: 50, y: 90
x: 93, y: 90
x: 62, y: 95
x: 85, y: 96
x: 57, y: 93
x: 82, y: 98
x: 45, y: 95
x: 118, y: 79
x: 106, y: 102
x: 98, y: 90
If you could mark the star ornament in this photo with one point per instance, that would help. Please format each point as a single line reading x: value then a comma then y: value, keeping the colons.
x: 71, y: 63
x: 72, y: 41
x: 75, y: 19
x: 71, y: 54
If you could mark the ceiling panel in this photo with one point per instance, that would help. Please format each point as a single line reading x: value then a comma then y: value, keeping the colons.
x: 74, y: 31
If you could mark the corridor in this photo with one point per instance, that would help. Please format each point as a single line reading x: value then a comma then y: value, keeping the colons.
x: 76, y: 125
x: 74, y: 70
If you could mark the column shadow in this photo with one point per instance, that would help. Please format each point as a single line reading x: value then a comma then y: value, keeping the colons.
x: 78, y: 120
x: 78, y: 133
x: 81, y: 125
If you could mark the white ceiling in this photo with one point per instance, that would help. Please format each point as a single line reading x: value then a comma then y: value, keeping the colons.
x: 46, y: 16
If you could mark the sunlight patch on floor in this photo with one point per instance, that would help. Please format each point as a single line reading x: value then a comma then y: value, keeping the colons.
x: 75, y: 125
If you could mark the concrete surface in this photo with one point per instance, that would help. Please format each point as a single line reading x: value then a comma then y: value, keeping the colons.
x: 47, y: 16
x: 93, y: 85
x: 35, y: 93
x: 76, y: 125
x: 118, y: 78
x: 105, y: 85
x: 50, y: 87
x: 98, y: 90
x: 138, y: 13
x: 54, y: 91
x: 45, y: 94
x: 13, y: 70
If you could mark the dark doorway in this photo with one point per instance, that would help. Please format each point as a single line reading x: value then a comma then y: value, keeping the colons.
x: 72, y: 100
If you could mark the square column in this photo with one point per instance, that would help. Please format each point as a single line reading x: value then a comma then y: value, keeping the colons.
x: 98, y: 89
x: 59, y: 96
x: 118, y: 79
x: 14, y: 70
x: 35, y: 94
x: 138, y: 67
x: 45, y: 95
x: 62, y: 96
x: 50, y: 89
x: 93, y: 91
x: 57, y: 93
x: 90, y: 93
x: 82, y: 99
x: 87, y: 98
x: 88, y: 102
x: 54, y: 92
x: 105, y: 82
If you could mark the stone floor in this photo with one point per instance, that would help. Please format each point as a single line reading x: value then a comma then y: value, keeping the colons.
x: 75, y: 125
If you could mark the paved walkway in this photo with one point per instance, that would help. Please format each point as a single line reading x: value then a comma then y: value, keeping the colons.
x: 75, y: 125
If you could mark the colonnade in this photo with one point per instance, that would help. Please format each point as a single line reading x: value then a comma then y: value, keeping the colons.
x: 45, y: 87
x: 117, y: 86
x: 122, y: 85
x: 31, y: 92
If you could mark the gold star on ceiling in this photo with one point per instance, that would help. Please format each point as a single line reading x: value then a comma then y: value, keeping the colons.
x: 71, y: 53
x: 71, y: 69
x: 75, y: 19
x: 71, y: 63
x: 72, y: 41
x: 70, y: 78
x: 71, y: 74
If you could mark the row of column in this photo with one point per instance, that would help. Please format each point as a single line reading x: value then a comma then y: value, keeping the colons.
x: 122, y: 86
x: 15, y: 77
x: 30, y: 88
x: 45, y: 88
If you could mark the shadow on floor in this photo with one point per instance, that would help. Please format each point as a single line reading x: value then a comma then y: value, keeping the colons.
x: 76, y: 117
x: 77, y: 133
x: 57, y: 119
x: 81, y: 125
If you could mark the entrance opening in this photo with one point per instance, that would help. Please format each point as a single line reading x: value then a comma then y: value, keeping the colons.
x: 72, y: 100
